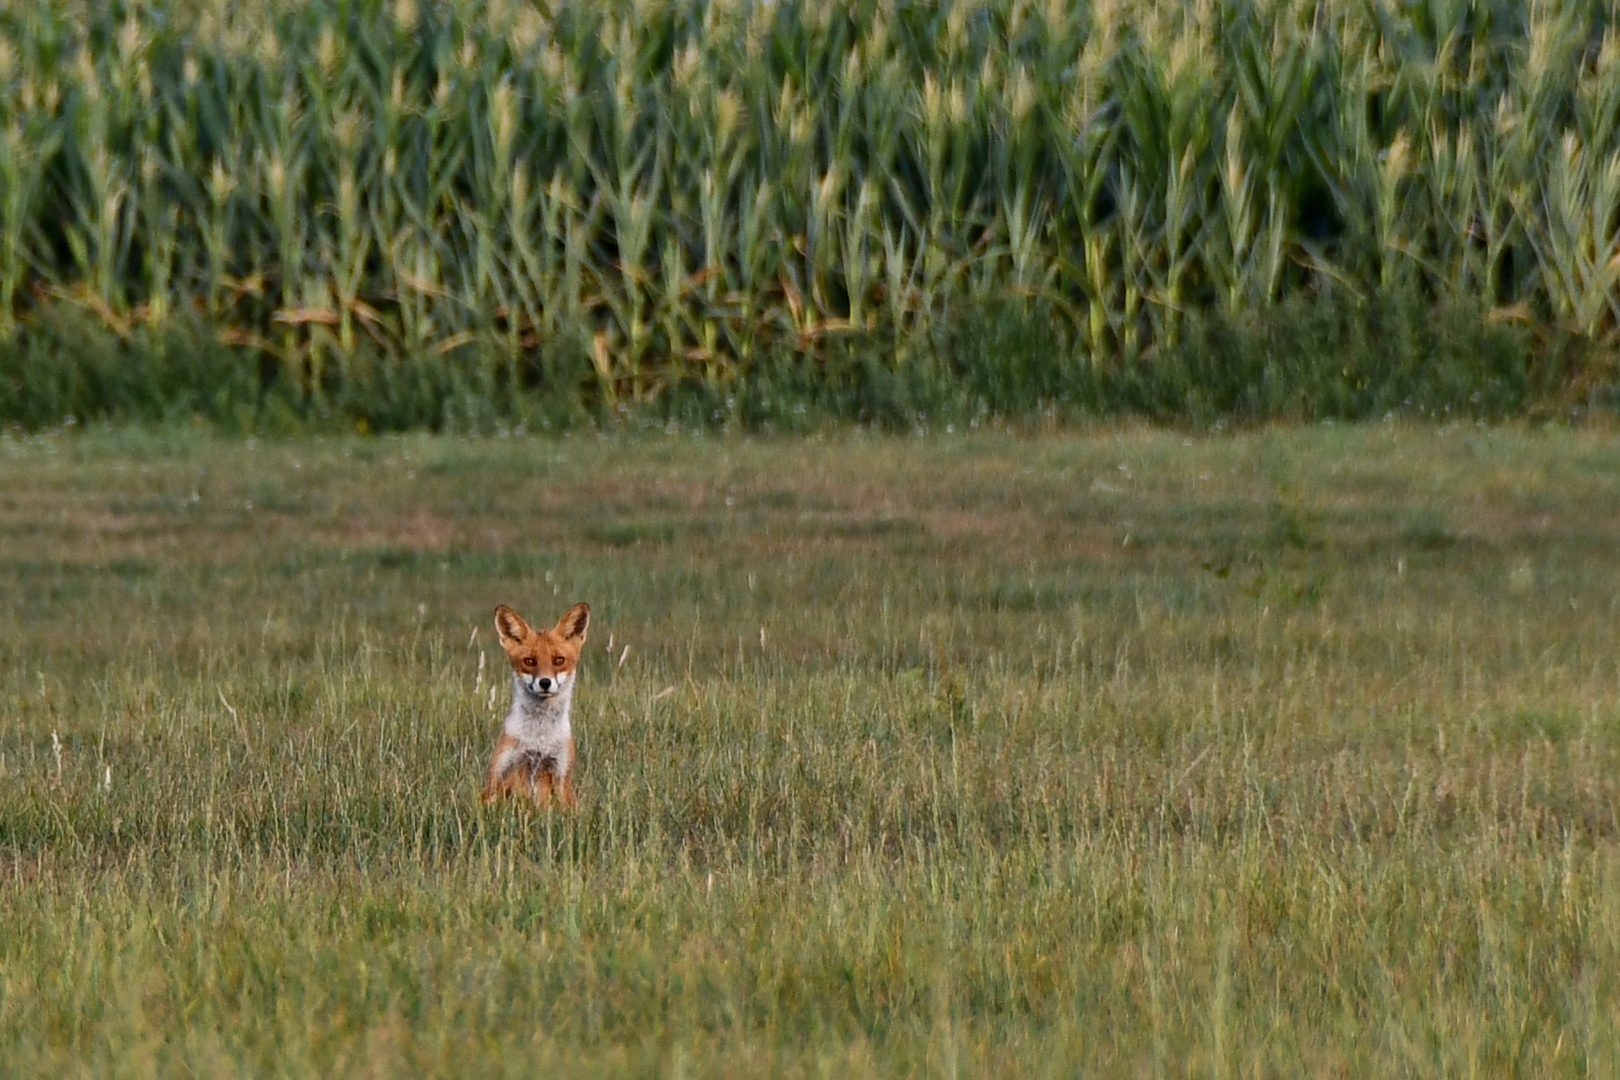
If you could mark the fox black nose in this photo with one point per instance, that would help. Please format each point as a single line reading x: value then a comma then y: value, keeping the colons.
x: 545, y: 683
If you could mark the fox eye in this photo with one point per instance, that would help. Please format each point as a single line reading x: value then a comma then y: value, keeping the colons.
x: 528, y: 661
x: 558, y: 661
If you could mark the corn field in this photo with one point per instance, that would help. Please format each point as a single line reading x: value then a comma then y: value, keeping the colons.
x: 673, y: 186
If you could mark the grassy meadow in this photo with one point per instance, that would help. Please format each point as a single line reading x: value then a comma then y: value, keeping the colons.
x: 1113, y: 753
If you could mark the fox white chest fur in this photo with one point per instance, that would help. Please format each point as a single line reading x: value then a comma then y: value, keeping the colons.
x: 535, y: 754
x: 540, y: 727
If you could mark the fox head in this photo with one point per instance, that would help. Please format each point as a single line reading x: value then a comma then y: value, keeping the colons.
x: 543, y: 659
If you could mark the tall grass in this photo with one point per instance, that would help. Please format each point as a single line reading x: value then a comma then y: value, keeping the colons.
x: 619, y: 201
x: 1274, y: 755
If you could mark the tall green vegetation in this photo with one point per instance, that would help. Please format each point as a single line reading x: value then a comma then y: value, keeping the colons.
x: 373, y: 205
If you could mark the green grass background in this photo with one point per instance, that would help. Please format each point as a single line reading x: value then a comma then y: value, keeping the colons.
x: 475, y: 215
x: 1102, y: 753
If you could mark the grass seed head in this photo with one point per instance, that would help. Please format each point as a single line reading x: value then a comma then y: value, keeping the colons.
x: 267, y: 48
x: 131, y: 42
x: 528, y: 29
x: 220, y: 183
x: 503, y: 118
x: 687, y: 63
x: 1398, y: 159
x: 1021, y: 97
x: 728, y: 113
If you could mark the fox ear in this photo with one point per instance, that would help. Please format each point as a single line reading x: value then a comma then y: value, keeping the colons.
x: 572, y: 626
x: 510, y: 625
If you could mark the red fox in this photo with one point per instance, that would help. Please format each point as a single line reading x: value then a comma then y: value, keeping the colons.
x: 535, y: 753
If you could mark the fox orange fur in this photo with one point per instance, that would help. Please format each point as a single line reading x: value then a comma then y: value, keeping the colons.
x: 535, y: 753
